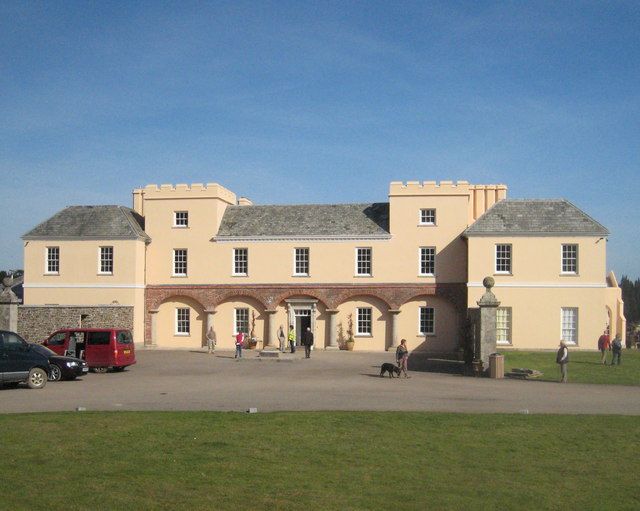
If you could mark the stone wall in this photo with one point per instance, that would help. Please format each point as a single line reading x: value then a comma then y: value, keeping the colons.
x: 37, y: 322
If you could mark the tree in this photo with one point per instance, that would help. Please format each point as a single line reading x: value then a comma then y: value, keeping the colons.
x: 631, y: 298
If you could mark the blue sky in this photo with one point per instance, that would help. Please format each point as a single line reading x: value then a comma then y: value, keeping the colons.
x: 316, y: 102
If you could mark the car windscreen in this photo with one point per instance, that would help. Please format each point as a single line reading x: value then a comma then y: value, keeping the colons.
x: 43, y: 350
x: 124, y: 337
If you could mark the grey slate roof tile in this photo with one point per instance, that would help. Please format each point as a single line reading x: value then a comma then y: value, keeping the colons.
x: 543, y: 217
x: 315, y: 220
x: 103, y: 222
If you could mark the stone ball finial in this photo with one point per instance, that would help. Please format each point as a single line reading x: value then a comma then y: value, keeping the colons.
x: 488, y: 282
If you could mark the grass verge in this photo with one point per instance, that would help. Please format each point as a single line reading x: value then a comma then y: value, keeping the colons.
x: 584, y: 367
x: 317, y: 461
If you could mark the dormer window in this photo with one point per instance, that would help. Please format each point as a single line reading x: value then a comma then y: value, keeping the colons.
x: 427, y: 216
x: 181, y: 219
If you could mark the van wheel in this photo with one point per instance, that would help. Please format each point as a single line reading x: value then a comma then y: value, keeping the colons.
x: 37, y: 378
x: 56, y: 373
x: 100, y: 369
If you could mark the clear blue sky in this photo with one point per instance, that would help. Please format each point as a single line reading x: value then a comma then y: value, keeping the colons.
x: 295, y: 102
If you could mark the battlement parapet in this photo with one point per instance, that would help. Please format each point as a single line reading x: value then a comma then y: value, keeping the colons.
x: 181, y: 191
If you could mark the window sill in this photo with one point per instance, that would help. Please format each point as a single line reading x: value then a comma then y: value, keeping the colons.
x: 179, y: 226
x: 363, y: 276
x: 105, y: 274
x: 179, y: 276
x: 569, y: 274
x: 182, y: 335
x: 429, y: 275
x: 503, y: 274
x: 427, y: 335
x: 504, y: 343
x: 363, y: 335
x: 51, y: 273
x: 239, y: 274
x: 301, y: 275
x: 427, y: 225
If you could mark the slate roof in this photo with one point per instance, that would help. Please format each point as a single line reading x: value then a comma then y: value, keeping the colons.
x: 309, y: 220
x: 542, y: 217
x: 96, y: 222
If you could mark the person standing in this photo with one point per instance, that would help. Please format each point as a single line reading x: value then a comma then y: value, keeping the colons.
x: 616, y: 349
x: 282, y: 338
x: 292, y: 338
x: 239, y: 344
x: 562, y: 358
x: 604, y: 344
x: 402, y: 357
x: 307, y: 340
x: 211, y: 340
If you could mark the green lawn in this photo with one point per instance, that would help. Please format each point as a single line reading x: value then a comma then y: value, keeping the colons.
x: 584, y: 367
x: 318, y: 461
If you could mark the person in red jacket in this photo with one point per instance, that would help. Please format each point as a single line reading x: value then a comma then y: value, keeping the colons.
x: 604, y: 344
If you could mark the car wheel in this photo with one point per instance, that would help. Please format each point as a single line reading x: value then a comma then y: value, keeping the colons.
x: 100, y: 369
x: 37, y: 378
x: 56, y: 373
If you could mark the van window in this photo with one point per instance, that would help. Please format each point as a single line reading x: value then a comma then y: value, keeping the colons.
x: 124, y: 337
x: 99, y: 338
x: 58, y: 339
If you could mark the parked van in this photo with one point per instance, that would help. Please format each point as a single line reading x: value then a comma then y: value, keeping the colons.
x: 102, y: 348
x: 19, y: 362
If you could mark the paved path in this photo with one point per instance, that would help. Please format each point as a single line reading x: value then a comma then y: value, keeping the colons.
x: 189, y: 380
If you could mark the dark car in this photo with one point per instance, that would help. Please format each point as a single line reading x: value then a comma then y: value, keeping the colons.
x: 20, y: 362
x: 62, y: 368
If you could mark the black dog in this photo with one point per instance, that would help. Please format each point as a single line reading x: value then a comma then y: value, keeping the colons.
x: 390, y: 368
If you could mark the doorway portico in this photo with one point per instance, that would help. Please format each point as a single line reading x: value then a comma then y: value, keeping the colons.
x: 302, y: 313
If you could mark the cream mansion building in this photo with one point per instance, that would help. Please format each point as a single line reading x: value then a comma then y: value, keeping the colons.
x: 187, y: 258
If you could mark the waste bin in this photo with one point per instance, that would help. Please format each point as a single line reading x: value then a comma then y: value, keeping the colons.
x: 496, y: 366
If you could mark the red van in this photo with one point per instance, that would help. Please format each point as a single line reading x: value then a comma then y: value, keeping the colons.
x: 102, y: 348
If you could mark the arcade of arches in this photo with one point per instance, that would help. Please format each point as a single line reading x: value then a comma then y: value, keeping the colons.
x: 379, y: 315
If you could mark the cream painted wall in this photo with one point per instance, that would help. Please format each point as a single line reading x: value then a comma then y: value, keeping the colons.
x: 79, y: 281
x: 446, y: 335
x: 538, y: 259
x: 166, y: 324
x: 536, y: 314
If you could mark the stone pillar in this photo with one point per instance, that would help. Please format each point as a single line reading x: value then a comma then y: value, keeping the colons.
x: 270, y: 341
x: 9, y: 310
x: 333, y: 329
x: 153, y: 341
x: 394, y: 329
x: 488, y: 332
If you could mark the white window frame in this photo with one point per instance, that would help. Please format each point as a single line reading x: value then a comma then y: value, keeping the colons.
x: 357, y: 261
x: 433, y: 320
x: 422, y: 258
x: 508, y: 329
x: 501, y: 271
x: 424, y: 214
x: 302, y: 261
x: 175, y: 262
x: 49, y: 260
x: 365, y: 311
x: 236, y: 312
x: 181, y: 219
x: 183, y: 321
x: 235, y: 261
x: 564, y: 258
x: 574, y: 327
x: 105, y: 259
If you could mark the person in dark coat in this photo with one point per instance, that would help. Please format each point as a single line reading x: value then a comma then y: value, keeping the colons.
x: 307, y: 340
x: 562, y: 358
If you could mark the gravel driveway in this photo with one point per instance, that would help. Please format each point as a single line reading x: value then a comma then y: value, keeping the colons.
x: 193, y: 380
